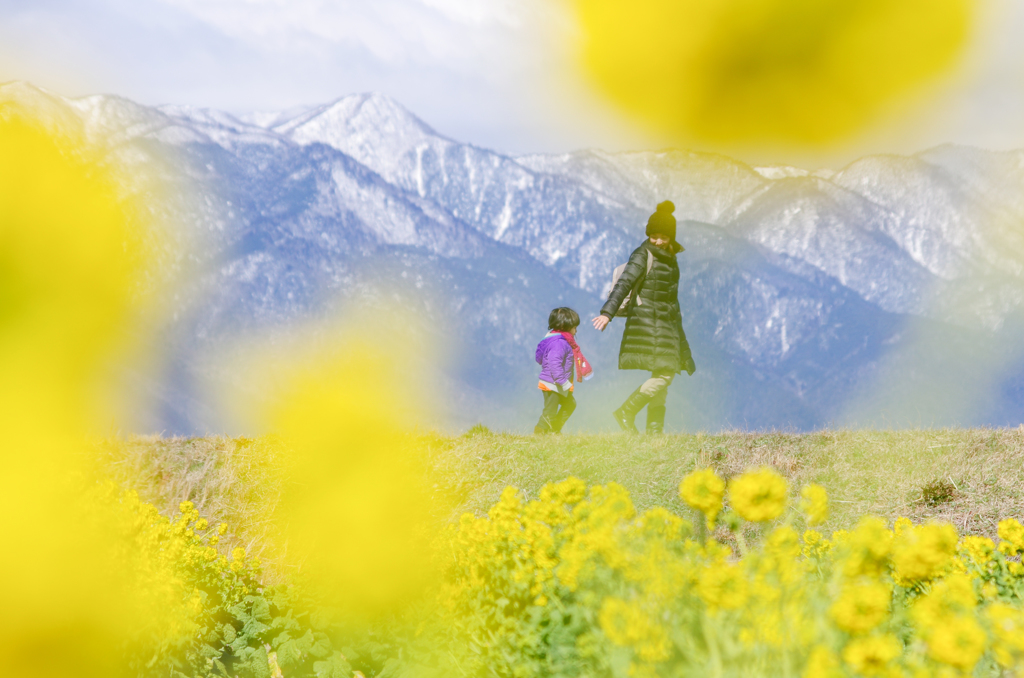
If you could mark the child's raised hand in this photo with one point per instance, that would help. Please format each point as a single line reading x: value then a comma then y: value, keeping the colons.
x: 601, y: 322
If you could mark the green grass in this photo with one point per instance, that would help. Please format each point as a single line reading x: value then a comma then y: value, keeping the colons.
x: 877, y: 472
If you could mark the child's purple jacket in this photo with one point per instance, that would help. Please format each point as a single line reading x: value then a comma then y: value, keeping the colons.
x: 556, y: 360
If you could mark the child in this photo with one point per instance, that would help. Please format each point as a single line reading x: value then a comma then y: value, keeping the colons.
x: 560, y: 359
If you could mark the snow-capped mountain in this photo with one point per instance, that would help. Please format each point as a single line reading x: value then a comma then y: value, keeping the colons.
x: 887, y: 293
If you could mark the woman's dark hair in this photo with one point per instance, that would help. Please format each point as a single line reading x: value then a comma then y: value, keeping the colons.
x: 563, y: 319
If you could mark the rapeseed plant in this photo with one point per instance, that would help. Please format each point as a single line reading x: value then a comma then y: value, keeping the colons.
x: 861, y: 606
x: 922, y: 552
x: 758, y: 496
x: 814, y: 504
x: 703, y: 490
x: 599, y: 590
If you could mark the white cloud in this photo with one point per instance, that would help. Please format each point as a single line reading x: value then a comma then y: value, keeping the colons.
x: 450, y: 33
x: 492, y: 72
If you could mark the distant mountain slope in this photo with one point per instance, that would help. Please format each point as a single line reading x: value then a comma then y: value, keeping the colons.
x: 887, y: 292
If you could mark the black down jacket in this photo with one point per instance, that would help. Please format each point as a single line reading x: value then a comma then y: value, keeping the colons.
x: 653, y: 339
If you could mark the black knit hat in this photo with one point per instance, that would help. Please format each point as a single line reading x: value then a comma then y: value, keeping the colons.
x: 662, y: 222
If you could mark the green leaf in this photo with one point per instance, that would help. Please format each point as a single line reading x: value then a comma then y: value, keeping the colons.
x: 258, y: 663
x: 336, y: 666
x: 280, y: 639
x: 260, y: 608
x: 320, y: 645
x: 289, y: 654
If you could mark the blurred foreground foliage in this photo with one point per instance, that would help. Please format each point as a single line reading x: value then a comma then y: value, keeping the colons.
x: 789, y: 73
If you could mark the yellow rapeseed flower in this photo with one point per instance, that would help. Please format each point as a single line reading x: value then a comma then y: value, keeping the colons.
x: 758, y: 496
x: 774, y: 71
x: 75, y: 283
x: 703, y: 490
x: 722, y: 586
x: 1012, y: 533
x: 978, y: 549
x: 871, y: 656
x: 569, y: 491
x: 901, y: 525
x: 823, y: 663
x: 782, y: 544
x: 861, y: 606
x: 814, y: 504
x: 922, y: 552
x: 949, y: 597
x: 959, y: 642
x: 815, y: 544
x: 865, y: 551
x: 1007, y: 625
x: 627, y: 624
x: 660, y: 523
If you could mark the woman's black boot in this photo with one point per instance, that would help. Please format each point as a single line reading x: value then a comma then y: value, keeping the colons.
x: 656, y: 413
x: 655, y: 419
x: 625, y: 416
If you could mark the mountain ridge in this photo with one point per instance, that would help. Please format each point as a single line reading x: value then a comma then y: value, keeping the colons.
x: 803, y: 291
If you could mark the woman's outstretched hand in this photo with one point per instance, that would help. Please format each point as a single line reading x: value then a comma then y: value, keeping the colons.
x: 601, y: 322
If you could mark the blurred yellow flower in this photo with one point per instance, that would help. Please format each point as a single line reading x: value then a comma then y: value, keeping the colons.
x: 758, y: 496
x: 722, y: 586
x: 703, y: 490
x: 948, y: 599
x: 356, y: 508
x: 861, y: 606
x: 872, y: 656
x: 923, y: 551
x: 814, y: 504
x: 866, y: 550
x: 1012, y: 533
x: 782, y: 71
x: 1007, y: 625
x: 959, y: 641
x: 627, y: 624
x: 74, y: 258
x: 823, y: 663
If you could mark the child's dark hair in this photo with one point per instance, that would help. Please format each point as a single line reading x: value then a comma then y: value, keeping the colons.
x: 563, y: 319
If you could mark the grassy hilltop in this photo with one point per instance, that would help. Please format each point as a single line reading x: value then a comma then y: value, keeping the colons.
x: 969, y: 477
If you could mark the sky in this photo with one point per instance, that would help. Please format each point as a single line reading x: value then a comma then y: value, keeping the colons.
x: 497, y: 73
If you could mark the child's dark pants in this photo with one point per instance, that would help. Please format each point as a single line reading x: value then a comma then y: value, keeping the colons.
x: 557, y: 410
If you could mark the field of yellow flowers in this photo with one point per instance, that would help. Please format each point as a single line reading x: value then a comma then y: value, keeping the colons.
x: 577, y: 582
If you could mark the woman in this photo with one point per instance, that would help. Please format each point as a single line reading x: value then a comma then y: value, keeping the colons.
x: 653, y: 339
